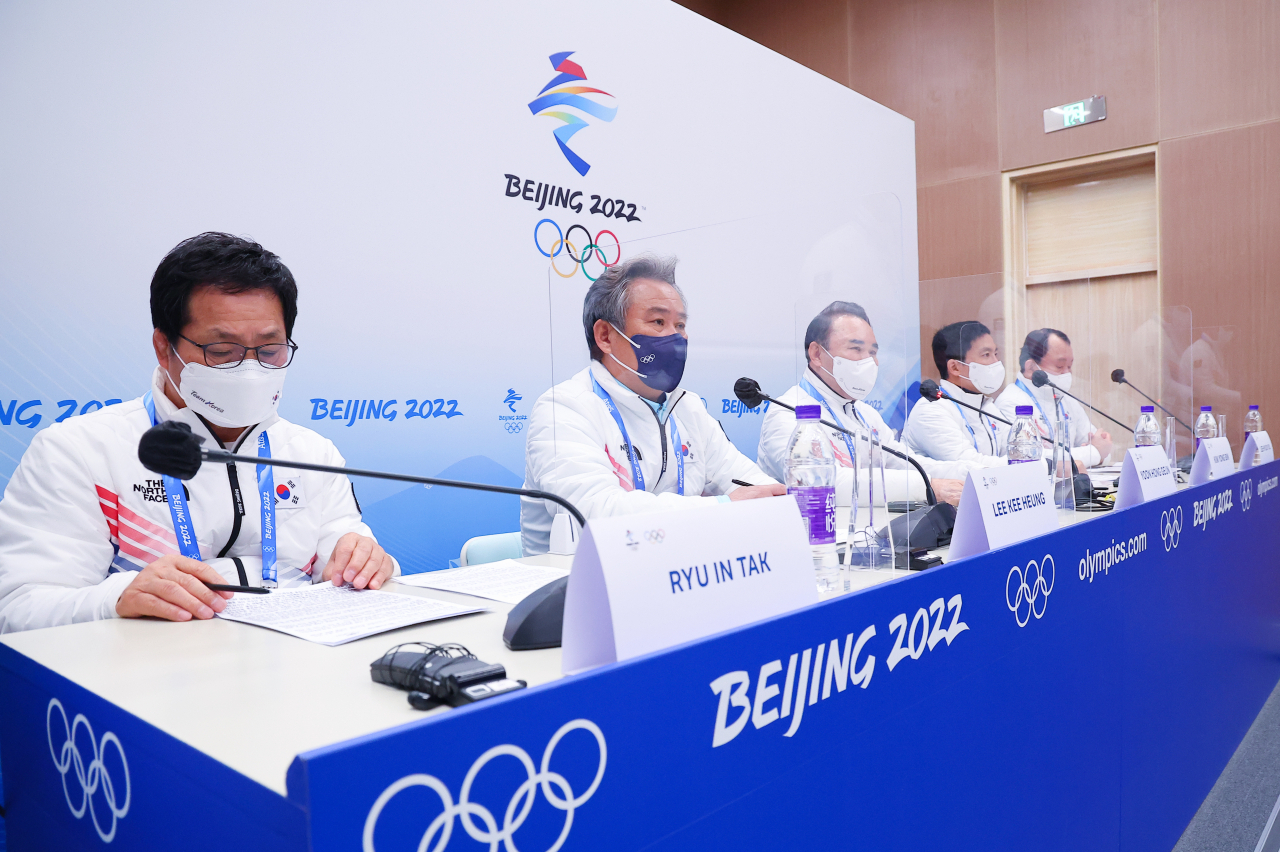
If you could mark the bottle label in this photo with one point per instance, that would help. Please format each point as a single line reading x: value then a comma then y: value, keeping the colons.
x: 1021, y: 461
x: 818, y: 510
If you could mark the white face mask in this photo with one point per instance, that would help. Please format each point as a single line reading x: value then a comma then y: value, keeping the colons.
x: 987, y: 378
x: 238, y: 396
x: 855, y: 378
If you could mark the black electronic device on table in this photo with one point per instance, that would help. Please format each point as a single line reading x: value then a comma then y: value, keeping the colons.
x: 441, y: 674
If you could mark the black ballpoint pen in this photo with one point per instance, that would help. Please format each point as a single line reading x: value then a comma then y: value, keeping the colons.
x: 250, y: 590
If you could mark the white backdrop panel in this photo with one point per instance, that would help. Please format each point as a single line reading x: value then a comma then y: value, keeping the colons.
x: 369, y: 146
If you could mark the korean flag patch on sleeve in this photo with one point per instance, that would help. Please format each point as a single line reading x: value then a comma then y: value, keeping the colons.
x: 289, y: 493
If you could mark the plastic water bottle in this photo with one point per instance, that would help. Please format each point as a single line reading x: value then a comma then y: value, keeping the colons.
x: 1024, y: 440
x: 811, y: 479
x: 1147, y: 432
x: 1253, y: 420
x: 1253, y: 423
x: 1206, y: 426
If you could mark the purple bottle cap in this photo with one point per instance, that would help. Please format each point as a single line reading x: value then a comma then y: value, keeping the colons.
x: 1253, y: 408
x: 1206, y: 408
x: 1148, y: 409
x: 1022, y: 410
x: 808, y: 412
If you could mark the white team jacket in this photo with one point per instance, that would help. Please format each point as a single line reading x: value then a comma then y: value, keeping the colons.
x: 948, y: 432
x: 575, y: 450
x: 902, y: 482
x: 1074, y: 417
x: 81, y: 514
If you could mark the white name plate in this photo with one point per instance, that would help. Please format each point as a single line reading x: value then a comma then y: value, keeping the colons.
x: 641, y: 583
x: 1002, y: 506
x: 1258, y: 443
x: 1145, y: 475
x: 1213, y: 461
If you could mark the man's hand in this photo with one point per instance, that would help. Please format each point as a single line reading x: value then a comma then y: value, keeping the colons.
x: 751, y: 492
x: 1101, y: 440
x: 360, y: 561
x: 171, y: 588
x: 948, y: 490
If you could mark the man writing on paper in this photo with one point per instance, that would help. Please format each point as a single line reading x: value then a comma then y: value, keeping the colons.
x: 622, y: 436
x: 842, y: 352
x: 86, y: 532
x: 1050, y: 350
x: 969, y: 365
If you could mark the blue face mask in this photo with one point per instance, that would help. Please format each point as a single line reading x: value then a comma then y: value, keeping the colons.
x: 660, y: 359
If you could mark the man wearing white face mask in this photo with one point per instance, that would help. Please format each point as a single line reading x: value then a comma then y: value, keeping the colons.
x: 86, y: 532
x: 971, y: 372
x: 622, y: 437
x: 842, y: 353
x: 1050, y: 350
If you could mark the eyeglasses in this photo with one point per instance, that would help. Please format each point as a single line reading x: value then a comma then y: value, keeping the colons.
x: 224, y: 356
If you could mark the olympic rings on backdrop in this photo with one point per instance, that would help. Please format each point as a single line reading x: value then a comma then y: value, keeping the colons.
x: 590, y: 246
x: 91, y: 777
x: 1030, y: 590
x: 1171, y: 527
x: 555, y: 788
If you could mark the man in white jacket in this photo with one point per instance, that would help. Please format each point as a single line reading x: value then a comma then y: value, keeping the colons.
x: 1050, y: 350
x: 842, y: 351
x: 86, y: 532
x: 622, y: 436
x: 966, y: 357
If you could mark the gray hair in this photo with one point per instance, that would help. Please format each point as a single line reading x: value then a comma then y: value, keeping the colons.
x: 610, y: 296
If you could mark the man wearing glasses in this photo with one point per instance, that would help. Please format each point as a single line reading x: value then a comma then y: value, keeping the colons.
x: 86, y: 532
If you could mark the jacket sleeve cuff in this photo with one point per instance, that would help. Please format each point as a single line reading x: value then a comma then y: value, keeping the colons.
x: 111, y: 589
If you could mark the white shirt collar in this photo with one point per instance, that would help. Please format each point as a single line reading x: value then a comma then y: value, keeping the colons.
x: 962, y: 394
x: 625, y: 395
x: 833, y: 399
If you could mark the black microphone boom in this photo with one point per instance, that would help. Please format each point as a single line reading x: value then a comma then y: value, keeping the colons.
x: 929, y: 390
x: 1040, y: 378
x: 749, y: 393
x: 172, y: 449
x: 1117, y: 376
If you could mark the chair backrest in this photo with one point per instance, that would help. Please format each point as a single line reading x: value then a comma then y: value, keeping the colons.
x: 490, y: 548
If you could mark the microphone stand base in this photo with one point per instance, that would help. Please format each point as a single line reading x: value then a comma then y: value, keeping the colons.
x: 538, y: 620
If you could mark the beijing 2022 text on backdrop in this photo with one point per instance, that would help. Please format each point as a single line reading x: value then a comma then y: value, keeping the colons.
x: 435, y: 175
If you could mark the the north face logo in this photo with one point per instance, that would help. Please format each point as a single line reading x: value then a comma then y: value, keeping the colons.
x: 151, y: 490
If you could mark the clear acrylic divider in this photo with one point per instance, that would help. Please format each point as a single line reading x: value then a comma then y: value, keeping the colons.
x: 1213, y: 367
x: 1123, y: 347
x: 856, y: 337
x: 745, y: 283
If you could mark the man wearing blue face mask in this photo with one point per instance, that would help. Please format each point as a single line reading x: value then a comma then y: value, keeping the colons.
x: 622, y: 436
x: 86, y: 532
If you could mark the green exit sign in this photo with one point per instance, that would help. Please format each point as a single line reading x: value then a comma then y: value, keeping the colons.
x: 1086, y: 111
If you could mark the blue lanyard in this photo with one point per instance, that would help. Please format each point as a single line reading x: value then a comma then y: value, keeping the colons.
x: 637, y: 477
x: 848, y: 441
x: 965, y: 421
x: 1049, y: 422
x: 267, y: 502
x: 182, y: 523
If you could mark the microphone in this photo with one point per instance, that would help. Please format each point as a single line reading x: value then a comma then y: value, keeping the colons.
x: 929, y: 390
x: 1117, y: 376
x: 172, y: 449
x: 1040, y: 378
x: 750, y: 394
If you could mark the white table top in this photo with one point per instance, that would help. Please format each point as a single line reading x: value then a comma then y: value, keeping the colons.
x: 254, y: 699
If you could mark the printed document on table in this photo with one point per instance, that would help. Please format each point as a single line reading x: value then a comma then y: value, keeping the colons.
x: 507, y: 580
x: 335, y: 615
